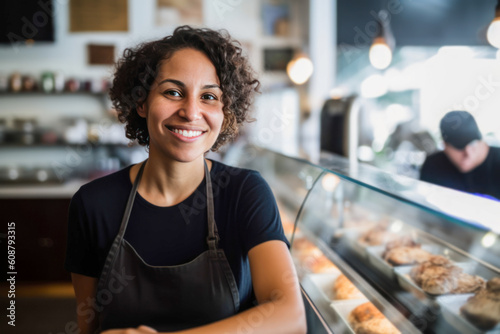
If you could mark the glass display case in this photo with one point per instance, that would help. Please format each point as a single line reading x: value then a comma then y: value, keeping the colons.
x: 380, y: 253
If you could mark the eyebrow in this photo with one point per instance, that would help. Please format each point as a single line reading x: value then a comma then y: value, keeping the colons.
x: 181, y: 84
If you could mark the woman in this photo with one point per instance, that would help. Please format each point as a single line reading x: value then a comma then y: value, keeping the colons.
x: 179, y: 243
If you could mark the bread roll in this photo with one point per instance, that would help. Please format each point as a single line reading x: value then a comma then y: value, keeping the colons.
x: 483, y: 309
x: 367, y: 319
x: 344, y: 289
x: 321, y: 264
x: 377, y: 236
x: 400, y: 256
x: 377, y: 326
x: 439, y: 275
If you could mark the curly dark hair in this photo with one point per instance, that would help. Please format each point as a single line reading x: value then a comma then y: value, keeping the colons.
x: 136, y: 72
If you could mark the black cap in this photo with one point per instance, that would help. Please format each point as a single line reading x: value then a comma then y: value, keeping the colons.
x: 458, y: 128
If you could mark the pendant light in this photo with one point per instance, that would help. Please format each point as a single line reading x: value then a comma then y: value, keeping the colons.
x: 493, y: 33
x: 380, y: 53
x: 300, y: 69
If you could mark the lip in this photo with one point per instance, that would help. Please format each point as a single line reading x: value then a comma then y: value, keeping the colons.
x: 183, y: 138
x: 187, y: 128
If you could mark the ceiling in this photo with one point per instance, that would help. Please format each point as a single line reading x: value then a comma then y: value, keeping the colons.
x: 417, y: 22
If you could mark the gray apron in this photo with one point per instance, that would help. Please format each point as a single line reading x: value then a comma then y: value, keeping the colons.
x: 131, y: 292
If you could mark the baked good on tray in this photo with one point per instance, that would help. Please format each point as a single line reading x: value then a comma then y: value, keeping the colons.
x: 483, y: 309
x: 439, y: 275
x: 343, y: 288
x: 400, y: 256
x: 401, y: 241
x: 320, y: 264
x: 377, y: 236
x: 303, y: 247
x: 367, y: 319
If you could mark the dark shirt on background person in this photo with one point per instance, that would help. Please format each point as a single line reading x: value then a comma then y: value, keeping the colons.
x: 467, y: 163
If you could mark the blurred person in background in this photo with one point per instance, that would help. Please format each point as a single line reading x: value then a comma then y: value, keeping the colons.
x: 196, y: 246
x: 467, y: 163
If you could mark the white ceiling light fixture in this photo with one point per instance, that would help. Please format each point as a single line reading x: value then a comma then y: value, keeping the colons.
x: 300, y: 69
x: 493, y: 33
x: 380, y: 53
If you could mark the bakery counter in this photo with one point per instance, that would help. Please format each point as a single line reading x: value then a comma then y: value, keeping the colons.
x: 39, y: 213
x: 382, y: 254
x: 34, y: 191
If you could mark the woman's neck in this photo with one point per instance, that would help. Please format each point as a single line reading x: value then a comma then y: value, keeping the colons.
x: 166, y: 182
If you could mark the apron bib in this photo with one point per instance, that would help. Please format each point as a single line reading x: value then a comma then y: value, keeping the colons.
x: 131, y: 292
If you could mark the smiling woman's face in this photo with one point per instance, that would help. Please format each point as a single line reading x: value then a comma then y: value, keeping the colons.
x: 184, y: 108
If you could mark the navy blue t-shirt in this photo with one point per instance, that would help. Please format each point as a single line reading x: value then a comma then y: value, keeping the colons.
x: 246, y: 215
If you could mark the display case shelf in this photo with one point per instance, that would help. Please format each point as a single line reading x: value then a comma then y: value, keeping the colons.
x: 355, y: 226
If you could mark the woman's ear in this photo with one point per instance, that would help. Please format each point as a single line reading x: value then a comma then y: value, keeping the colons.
x: 141, y: 110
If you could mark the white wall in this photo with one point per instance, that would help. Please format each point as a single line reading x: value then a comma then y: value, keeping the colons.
x: 68, y: 52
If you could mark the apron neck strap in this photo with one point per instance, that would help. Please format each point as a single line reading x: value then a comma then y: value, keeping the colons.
x: 213, y: 236
x: 130, y: 202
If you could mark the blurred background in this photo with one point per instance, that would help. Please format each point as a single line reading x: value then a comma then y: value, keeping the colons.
x: 366, y: 79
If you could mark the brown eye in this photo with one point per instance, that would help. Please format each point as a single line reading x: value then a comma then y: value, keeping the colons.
x: 209, y: 97
x: 173, y: 93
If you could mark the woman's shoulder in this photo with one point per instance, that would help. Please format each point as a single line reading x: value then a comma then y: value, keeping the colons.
x: 103, y: 187
x: 238, y: 175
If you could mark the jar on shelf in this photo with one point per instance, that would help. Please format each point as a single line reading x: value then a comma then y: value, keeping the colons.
x: 26, y: 130
x: 72, y: 85
x: 29, y: 83
x: 58, y: 82
x: 48, y: 82
x: 15, y: 82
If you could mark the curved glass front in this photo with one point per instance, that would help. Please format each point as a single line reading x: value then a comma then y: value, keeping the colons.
x: 368, y: 242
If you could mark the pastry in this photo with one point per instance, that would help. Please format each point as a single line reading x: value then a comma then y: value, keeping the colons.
x: 320, y: 264
x: 364, y: 312
x: 439, y: 275
x: 344, y: 289
x: 367, y: 319
x: 377, y: 236
x: 305, y: 252
x: 469, y: 283
x: 483, y: 309
x: 402, y: 241
x: 399, y: 256
x: 302, y: 246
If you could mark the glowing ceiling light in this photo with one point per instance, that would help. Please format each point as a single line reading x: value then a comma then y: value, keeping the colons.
x: 300, y: 69
x: 493, y: 33
x: 380, y: 54
x: 330, y: 182
x: 488, y: 239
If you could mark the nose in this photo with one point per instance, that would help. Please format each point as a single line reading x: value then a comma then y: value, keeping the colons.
x: 190, y: 110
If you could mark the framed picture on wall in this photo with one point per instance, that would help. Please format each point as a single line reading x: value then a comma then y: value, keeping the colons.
x: 179, y: 12
x: 97, y: 15
x: 276, y: 17
x: 277, y: 59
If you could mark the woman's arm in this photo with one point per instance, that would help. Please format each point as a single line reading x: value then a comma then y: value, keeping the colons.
x: 280, y: 309
x: 86, y: 309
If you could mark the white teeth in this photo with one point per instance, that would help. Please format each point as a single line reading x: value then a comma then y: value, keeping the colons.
x: 187, y: 133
